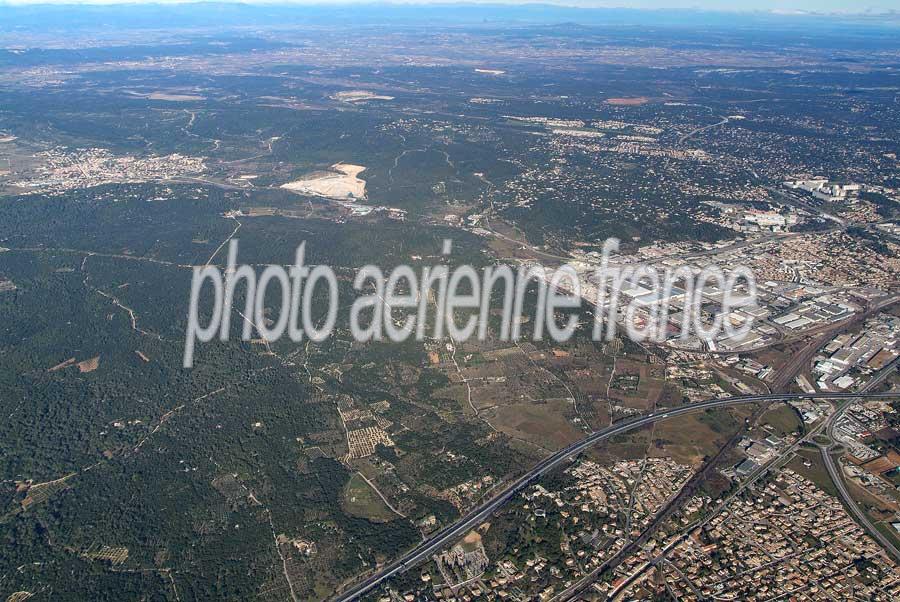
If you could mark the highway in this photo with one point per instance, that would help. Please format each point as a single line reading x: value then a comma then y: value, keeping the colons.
x: 809, y: 437
x: 835, y: 472
x: 481, y: 513
x: 702, y: 129
x: 850, y: 503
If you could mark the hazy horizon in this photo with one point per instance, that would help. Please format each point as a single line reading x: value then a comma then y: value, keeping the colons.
x: 771, y: 6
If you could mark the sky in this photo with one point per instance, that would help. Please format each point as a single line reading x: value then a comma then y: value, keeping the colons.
x: 780, y: 6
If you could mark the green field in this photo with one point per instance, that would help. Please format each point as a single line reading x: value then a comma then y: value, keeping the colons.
x: 816, y: 472
x: 360, y: 500
x: 783, y: 419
